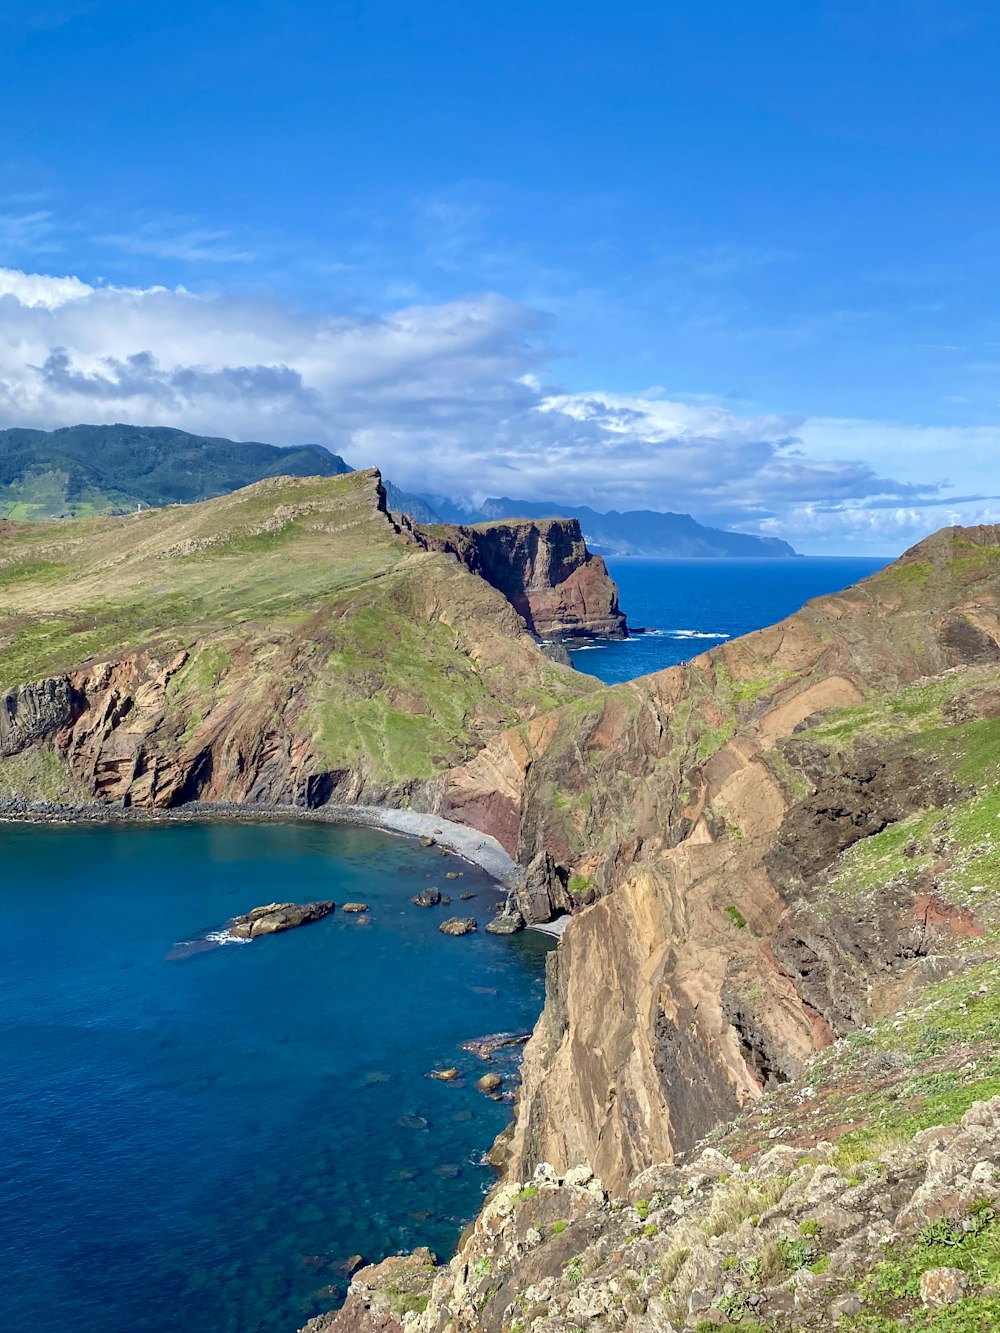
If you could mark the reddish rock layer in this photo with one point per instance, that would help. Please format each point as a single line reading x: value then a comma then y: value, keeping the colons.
x: 543, y: 568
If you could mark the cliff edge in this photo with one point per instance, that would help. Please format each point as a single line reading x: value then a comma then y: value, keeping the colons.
x: 543, y: 568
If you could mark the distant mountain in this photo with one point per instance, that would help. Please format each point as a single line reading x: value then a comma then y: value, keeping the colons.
x: 643, y: 532
x: 82, y: 470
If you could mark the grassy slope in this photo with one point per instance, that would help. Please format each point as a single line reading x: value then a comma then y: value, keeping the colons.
x: 291, y: 585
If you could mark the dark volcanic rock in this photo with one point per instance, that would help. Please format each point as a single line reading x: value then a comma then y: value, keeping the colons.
x: 275, y: 917
x: 426, y: 898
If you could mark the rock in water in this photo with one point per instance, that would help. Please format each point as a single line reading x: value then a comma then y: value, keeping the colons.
x: 489, y: 1082
x: 426, y: 898
x: 459, y: 925
x: 487, y: 1047
x: 355, y: 907
x: 275, y: 917
x: 508, y: 921
x: 445, y: 1075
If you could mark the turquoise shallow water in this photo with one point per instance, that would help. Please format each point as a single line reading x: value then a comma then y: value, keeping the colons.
x: 692, y: 605
x: 195, y: 1144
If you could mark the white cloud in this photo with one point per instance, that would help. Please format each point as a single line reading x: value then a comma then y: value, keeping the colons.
x: 192, y: 246
x: 452, y: 398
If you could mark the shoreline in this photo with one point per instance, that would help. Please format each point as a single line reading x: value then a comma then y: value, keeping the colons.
x: 479, y: 849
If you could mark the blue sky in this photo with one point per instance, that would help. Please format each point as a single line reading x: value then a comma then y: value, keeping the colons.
x: 740, y: 260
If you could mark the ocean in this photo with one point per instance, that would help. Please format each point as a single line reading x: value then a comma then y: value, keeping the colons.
x: 197, y: 1139
x: 687, y: 606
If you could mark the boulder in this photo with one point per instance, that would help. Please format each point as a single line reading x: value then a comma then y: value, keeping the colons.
x: 489, y: 1083
x: 275, y: 917
x: 508, y: 921
x: 459, y: 925
x: 445, y: 1075
x: 426, y: 897
x: 543, y: 894
x: 355, y: 907
x: 943, y: 1286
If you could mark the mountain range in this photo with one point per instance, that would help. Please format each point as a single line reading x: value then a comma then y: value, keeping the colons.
x: 84, y: 470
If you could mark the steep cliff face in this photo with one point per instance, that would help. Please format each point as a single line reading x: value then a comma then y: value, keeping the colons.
x: 706, y: 808
x: 543, y: 568
x: 287, y: 644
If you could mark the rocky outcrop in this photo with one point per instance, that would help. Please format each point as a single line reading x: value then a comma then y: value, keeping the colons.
x: 382, y: 1297
x: 273, y: 918
x: 33, y: 713
x: 459, y: 925
x: 790, y: 1240
x: 543, y: 568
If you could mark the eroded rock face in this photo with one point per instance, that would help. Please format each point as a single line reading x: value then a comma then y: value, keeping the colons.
x: 32, y: 713
x: 382, y: 1298
x: 698, y: 809
x: 276, y: 917
x: 543, y: 568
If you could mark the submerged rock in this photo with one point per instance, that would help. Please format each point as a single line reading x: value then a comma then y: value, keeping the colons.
x: 275, y: 917
x: 487, y: 1047
x: 459, y: 925
x: 445, y: 1075
x: 426, y: 898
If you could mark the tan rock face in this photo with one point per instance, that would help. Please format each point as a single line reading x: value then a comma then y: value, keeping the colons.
x: 694, y: 805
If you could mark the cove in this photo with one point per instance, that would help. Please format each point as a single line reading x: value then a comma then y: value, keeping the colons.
x: 199, y: 1138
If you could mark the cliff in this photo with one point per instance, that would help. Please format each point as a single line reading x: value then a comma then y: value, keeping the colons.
x: 285, y: 644
x: 543, y: 568
x: 782, y: 859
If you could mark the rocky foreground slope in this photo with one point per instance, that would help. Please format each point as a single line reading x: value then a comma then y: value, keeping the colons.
x: 288, y: 644
x: 783, y: 859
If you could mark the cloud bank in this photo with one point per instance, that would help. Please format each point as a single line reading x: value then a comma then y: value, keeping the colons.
x: 453, y: 399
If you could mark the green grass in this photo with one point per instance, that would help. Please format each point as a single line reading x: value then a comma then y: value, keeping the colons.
x: 892, y: 1289
x: 37, y: 774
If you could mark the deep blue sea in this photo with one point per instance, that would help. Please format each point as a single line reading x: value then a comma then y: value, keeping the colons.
x: 195, y: 1144
x: 692, y: 605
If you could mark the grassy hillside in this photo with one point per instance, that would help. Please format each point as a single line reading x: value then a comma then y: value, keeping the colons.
x: 281, y: 636
x: 84, y: 470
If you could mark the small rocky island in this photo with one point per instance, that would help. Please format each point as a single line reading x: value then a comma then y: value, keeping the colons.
x: 276, y: 917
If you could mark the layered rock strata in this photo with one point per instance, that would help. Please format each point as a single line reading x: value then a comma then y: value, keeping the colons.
x: 703, y: 806
x: 543, y: 568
